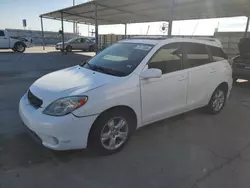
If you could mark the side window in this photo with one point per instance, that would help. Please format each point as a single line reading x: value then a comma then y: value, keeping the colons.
x: 217, y: 53
x: 196, y: 55
x: 2, y: 34
x: 77, y: 41
x: 168, y: 58
x: 83, y: 40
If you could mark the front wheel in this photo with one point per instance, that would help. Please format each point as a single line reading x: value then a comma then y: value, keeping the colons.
x: 111, y: 132
x: 69, y: 48
x: 217, y: 101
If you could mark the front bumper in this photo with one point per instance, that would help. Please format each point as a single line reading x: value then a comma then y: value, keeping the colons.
x: 58, y: 133
x: 58, y: 47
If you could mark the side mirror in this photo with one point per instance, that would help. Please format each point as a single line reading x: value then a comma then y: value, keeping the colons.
x: 151, y: 73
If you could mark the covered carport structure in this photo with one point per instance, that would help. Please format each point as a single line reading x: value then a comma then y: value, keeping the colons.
x: 110, y: 12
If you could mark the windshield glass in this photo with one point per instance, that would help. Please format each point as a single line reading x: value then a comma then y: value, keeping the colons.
x: 71, y: 40
x: 119, y: 59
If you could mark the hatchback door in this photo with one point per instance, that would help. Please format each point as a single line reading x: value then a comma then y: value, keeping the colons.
x: 164, y: 96
x: 202, y: 74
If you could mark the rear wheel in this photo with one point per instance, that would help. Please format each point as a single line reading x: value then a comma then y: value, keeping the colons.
x: 111, y: 131
x: 217, y: 101
x: 93, y: 48
x: 19, y: 47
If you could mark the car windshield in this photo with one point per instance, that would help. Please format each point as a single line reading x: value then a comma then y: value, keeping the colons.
x: 119, y: 59
x: 71, y: 40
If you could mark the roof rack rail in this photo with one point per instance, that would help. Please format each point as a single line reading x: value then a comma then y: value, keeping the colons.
x: 211, y: 39
x: 150, y: 37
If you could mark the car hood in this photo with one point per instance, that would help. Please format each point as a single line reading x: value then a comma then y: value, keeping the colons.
x: 68, y: 82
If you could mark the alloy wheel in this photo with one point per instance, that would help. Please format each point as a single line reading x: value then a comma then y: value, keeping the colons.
x: 114, y: 133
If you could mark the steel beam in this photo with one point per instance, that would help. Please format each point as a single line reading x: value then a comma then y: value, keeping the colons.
x: 171, y: 17
x: 247, y: 26
x: 62, y: 30
x: 125, y: 31
x: 42, y: 32
x: 96, y: 27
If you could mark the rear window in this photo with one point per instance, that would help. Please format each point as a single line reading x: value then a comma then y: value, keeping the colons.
x: 196, y: 55
x: 2, y: 34
x: 217, y: 53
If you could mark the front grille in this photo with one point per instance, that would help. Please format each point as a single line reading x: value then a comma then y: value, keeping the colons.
x: 34, y: 101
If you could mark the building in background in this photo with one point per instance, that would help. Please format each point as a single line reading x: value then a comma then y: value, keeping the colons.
x: 50, y: 37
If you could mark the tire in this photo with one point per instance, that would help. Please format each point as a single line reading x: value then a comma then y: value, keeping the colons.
x: 105, y: 137
x: 69, y: 48
x: 92, y: 48
x: 14, y: 50
x: 217, y: 101
x: 19, y: 47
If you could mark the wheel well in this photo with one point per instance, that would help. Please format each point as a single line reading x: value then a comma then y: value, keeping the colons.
x: 21, y: 43
x: 223, y: 86
x: 123, y: 108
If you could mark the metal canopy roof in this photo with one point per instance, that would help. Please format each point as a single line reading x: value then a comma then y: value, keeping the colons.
x: 137, y: 11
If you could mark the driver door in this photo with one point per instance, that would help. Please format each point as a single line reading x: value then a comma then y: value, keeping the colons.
x: 81, y: 45
x: 4, y: 40
x: 165, y: 96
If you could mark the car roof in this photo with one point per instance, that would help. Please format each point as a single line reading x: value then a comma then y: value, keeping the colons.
x: 162, y: 40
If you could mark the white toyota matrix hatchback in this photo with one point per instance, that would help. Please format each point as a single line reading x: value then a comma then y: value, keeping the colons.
x: 135, y: 82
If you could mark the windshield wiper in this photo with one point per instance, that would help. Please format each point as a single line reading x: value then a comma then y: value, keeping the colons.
x: 84, y: 63
x: 104, y: 70
x: 110, y: 71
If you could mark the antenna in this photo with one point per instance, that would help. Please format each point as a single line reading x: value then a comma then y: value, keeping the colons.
x: 148, y: 29
x: 195, y: 29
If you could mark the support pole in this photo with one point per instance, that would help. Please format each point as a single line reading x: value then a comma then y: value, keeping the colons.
x: 42, y: 32
x: 247, y: 26
x: 96, y: 27
x: 74, y: 23
x: 62, y: 31
x: 171, y: 16
x: 125, y: 31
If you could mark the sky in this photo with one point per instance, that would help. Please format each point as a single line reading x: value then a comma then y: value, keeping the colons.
x: 14, y: 11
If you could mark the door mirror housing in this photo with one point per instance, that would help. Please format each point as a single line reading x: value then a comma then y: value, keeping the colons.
x: 151, y: 73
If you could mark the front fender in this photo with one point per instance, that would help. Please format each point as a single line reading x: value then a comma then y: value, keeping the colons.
x: 102, y: 99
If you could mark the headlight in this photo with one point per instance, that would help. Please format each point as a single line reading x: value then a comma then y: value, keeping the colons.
x: 65, y: 106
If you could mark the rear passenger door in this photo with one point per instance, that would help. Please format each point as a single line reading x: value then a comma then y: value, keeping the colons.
x: 201, y: 71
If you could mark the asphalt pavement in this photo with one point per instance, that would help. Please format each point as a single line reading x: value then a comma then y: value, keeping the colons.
x: 192, y: 150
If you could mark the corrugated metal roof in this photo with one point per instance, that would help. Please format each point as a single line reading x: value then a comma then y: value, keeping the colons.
x: 137, y: 11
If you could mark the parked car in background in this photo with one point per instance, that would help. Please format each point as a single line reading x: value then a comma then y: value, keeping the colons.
x: 15, y: 43
x: 135, y: 82
x: 241, y: 63
x: 79, y: 43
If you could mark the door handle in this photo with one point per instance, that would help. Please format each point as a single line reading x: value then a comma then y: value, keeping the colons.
x: 182, y: 78
x: 4, y: 38
x: 212, y: 71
